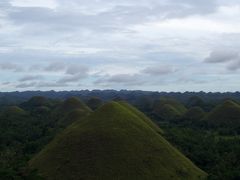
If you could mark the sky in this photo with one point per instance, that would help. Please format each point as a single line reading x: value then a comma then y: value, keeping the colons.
x: 167, y: 45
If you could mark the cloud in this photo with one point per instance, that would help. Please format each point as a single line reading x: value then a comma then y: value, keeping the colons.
x: 118, y: 40
x: 50, y: 84
x: 30, y: 78
x: 72, y: 78
x: 11, y: 67
x: 74, y: 69
x: 159, y: 70
x: 121, y: 79
x: 235, y: 65
x: 222, y: 56
x: 55, y: 67
x: 26, y: 85
x: 230, y: 58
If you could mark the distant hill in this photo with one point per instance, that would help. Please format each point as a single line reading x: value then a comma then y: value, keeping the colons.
x: 70, y: 110
x: 194, y: 113
x: 168, y: 109
x: 114, y: 142
x: 36, y: 101
x: 225, y: 114
x: 72, y: 103
x: 94, y: 103
x: 11, y: 110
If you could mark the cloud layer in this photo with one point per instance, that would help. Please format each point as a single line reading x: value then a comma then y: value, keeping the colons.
x: 164, y: 45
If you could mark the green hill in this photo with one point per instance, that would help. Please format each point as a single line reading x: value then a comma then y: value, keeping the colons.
x: 141, y: 116
x: 225, y: 114
x: 167, y: 112
x: 71, y: 108
x: 94, y: 103
x: 13, y: 111
x: 71, y: 104
x: 194, y: 113
x: 37, y: 101
x: 168, y: 109
x: 114, y: 142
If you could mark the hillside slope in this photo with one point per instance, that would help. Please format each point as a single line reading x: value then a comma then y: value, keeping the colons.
x: 70, y: 110
x: 225, y: 114
x: 113, y: 143
x: 168, y: 109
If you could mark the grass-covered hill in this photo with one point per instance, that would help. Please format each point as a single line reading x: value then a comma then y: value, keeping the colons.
x: 70, y: 110
x: 114, y: 142
x: 71, y: 104
x: 226, y: 114
x: 141, y: 116
x: 168, y: 109
x: 94, y: 103
x: 194, y: 113
x: 13, y: 111
x: 36, y: 101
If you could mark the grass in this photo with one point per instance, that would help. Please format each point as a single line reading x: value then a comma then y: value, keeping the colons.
x: 168, y: 109
x: 71, y: 110
x: 226, y: 114
x: 114, y: 142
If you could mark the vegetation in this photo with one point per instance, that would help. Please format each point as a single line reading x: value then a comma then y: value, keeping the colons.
x: 168, y: 109
x: 116, y: 142
x: 94, y: 103
x: 207, y: 132
x: 194, y: 114
x: 225, y: 114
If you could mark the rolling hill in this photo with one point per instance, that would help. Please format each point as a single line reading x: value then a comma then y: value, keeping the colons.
x: 70, y: 110
x: 225, y: 114
x: 168, y: 109
x: 114, y: 142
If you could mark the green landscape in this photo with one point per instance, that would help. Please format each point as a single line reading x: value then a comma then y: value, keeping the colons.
x: 144, y: 137
x: 119, y: 90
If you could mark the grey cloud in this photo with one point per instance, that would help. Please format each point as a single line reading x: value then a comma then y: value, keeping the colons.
x: 113, y: 16
x: 77, y: 69
x: 11, y: 67
x: 222, y: 56
x: 230, y: 58
x: 26, y: 85
x: 50, y: 84
x: 72, y: 78
x: 235, y: 65
x: 122, y: 79
x: 55, y: 67
x: 30, y: 78
x: 159, y: 70
x: 41, y: 84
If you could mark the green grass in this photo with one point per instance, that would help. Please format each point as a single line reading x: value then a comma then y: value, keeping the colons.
x: 167, y: 112
x: 226, y: 114
x: 168, y: 109
x: 177, y: 105
x: 114, y: 142
x: 70, y: 110
x: 142, y: 116
x: 72, y: 104
x: 13, y: 111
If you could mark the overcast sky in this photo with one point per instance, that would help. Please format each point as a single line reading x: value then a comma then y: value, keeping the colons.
x: 163, y: 45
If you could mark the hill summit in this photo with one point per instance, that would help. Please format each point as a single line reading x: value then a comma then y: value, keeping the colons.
x: 225, y: 114
x: 70, y: 110
x: 168, y: 109
x: 114, y: 142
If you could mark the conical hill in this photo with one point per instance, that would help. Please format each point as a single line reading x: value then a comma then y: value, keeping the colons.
x: 113, y: 143
x: 225, y: 114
